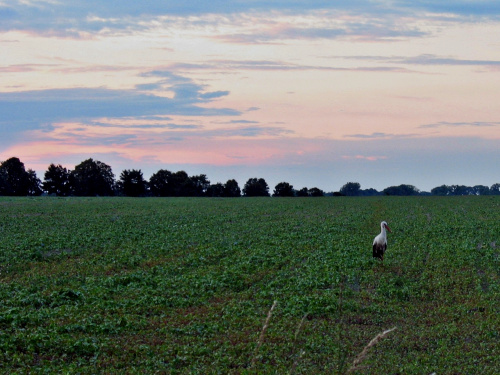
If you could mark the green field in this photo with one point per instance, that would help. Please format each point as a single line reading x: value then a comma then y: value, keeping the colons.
x: 184, y: 285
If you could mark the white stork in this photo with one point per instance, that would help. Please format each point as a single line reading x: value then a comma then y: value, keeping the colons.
x: 380, y: 242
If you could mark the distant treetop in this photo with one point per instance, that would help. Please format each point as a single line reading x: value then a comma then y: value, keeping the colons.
x: 93, y: 177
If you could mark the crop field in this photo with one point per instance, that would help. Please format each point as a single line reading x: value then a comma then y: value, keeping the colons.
x: 249, y: 285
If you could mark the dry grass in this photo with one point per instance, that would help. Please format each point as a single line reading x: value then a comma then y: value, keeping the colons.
x: 356, y: 365
x: 296, y: 362
x: 263, y: 333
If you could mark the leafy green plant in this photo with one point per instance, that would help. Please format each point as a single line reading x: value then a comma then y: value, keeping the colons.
x: 182, y: 285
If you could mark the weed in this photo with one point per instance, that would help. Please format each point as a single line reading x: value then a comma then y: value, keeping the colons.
x: 356, y: 365
x: 262, y: 334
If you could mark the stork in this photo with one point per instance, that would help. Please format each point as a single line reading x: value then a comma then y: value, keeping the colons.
x: 380, y: 242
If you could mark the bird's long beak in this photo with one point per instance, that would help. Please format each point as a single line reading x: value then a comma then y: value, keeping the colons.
x: 387, y: 227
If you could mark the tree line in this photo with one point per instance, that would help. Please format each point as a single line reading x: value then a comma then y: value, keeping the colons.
x: 95, y: 178
x: 354, y: 189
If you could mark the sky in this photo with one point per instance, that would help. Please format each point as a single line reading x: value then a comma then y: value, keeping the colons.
x: 314, y: 93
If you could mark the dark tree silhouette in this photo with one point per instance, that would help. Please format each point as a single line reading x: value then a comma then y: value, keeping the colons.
x: 316, y: 192
x: 401, y: 190
x: 441, y: 190
x: 15, y: 180
x: 215, y: 190
x: 159, y: 183
x: 34, y: 183
x: 167, y: 184
x: 350, y: 189
x: 132, y: 183
x: 228, y: 190
x: 57, y: 180
x: 232, y: 189
x: 460, y: 190
x: 92, y: 178
x: 495, y: 189
x: 481, y: 190
x: 181, y: 184
x: 256, y: 187
x: 369, y: 192
x: 304, y: 192
x: 198, y: 185
x: 283, y: 189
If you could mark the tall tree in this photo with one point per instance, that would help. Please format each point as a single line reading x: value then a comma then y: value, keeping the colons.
x: 92, y: 178
x: 167, y: 184
x: 441, y: 190
x: 57, y: 180
x: 316, y: 192
x: 232, y: 189
x: 283, y: 189
x: 199, y: 185
x: 401, y: 190
x: 461, y: 190
x: 304, y: 192
x: 159, y: 183
x: 369, y: 192
x: 256, y: 187
x: 15, y: 180
x: 132, y: 183
x: 351, y: 189
x: 181, y: 184
x: 34, y: 183
x: 480, y: 190
x: 4, y: 186
x: 215, y: 190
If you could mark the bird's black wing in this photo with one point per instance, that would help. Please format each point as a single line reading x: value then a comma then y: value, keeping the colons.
x: 379, y: 250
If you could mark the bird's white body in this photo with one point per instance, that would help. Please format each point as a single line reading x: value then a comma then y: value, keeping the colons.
x: 380, y: 242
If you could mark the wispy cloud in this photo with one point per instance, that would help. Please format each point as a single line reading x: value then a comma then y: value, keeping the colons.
x: 424, y: 59
x: 139, y: 123
x: 369, y: 136
x: 214, y: 94
x: 466, y: 8
x: 364, y: 157
x: 250, y: 131
x: 242, y: 122
x: 474, y: 124
x: 379, y: 135
x: 115, y: 133
x: 183, y: 88
x: 269, y: 65
x: 428, y: 59
x: 330, y: 24
x: 281, y: 34
x: 86, y: 68
x: 18, y: 68
x: 74, y: 19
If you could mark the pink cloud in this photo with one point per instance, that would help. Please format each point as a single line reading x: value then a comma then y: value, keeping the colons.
x: 363, y: 157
